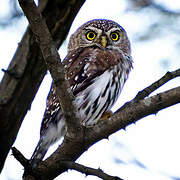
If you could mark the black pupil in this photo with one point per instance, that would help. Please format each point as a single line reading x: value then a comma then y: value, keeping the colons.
x: 114, y: 36
x: 91, y: 35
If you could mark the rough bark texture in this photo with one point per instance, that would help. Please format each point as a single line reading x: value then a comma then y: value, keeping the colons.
x: 27, y: 69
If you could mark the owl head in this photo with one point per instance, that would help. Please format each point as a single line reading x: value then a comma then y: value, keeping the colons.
x: 101, y: 33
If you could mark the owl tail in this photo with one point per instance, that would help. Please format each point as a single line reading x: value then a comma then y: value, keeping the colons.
x: 38, y: 154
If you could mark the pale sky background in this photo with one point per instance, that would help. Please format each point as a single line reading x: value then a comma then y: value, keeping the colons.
x: 153, y: 141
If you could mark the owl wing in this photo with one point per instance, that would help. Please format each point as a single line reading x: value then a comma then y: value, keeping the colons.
x: 82, y: 66
x: 52, y: 103
x: 51, y: 111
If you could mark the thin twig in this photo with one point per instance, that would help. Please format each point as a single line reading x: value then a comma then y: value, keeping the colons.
x: 88, y: 170
x: 25, y: 163
x: 147, y: 91
x: 12, y: 73
x: 54, y: 65
x: 18, y: 155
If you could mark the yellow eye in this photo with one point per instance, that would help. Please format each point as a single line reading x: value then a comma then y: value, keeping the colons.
x: 90, y: 35
x: 114, y: 36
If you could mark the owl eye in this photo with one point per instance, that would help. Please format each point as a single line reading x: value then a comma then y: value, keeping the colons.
x: 90, y: 35
x: 115, y: 36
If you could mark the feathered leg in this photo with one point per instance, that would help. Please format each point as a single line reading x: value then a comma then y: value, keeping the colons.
x: 50, y: 136
x: 39, y: 153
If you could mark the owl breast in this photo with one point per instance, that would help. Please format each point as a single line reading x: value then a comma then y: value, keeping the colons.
x: 96, y: 77
x: 99, y: 96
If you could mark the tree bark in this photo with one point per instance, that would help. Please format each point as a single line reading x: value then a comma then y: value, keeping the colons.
x: 71, y: 149
x: 27, y: 70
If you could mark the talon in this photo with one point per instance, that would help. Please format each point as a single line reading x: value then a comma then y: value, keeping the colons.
x: 106, y: 115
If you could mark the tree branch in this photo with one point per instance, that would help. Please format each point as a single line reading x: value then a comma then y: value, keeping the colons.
x: 103, y: 129
x: 135, y: 110
x: 17, y: 154
x: 25, y: 163
x: 54, y: 65
x: 88, y: 171
x: 147, y: 91
x: 67, y: 164
x: 132, y: 112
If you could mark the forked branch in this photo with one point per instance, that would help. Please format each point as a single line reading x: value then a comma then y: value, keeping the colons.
x: 66, y: 164
x: 71, y: 149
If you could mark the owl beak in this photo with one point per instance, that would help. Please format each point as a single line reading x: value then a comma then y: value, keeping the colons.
x: 104, y: 41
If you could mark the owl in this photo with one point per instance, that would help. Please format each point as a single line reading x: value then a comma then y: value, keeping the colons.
x: 97, y: 65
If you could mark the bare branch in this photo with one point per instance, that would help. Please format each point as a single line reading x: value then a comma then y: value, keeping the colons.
x: 132, y: 112
x: 67, y: 164
x: 88, y: 171
x: 25, y: 163
x: 17, y: 154
x: 54, y: 65
x: 147, y: 91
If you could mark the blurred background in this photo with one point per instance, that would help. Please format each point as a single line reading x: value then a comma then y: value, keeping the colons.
x: 144, y: 151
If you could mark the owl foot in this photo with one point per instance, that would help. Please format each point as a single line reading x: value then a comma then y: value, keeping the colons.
x: 106, y: 115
